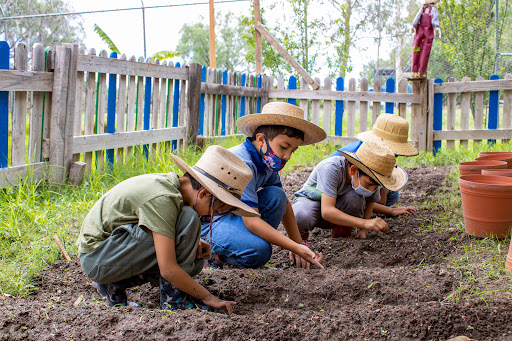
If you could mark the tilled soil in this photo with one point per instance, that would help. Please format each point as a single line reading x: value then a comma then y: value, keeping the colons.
x: 389, y: 286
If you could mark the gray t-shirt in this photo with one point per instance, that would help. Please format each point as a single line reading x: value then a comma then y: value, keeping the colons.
x: 329, y: 177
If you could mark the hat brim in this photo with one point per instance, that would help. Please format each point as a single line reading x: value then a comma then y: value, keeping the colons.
x: 394, y: 182
x: 312, y: 133
x: 399, y: 148
x: 216, y: 190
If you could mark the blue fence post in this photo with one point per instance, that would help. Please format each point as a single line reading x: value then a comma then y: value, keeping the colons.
x: 258, y: 99
x: 338, y: 116
x: 175, y: 108
x: 493, y: 109
x: 201, y: 102
x: 292, y: 85
x: 390, y: 88
x: 147, y: 108
x: 242, y: 98
x: 4, y: 108
x: 438, y: 116
x: 223, y: 105
x: 111, y: 109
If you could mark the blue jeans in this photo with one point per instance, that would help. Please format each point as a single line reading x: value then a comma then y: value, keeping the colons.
x: 392, y: 198
x: 234, y: 244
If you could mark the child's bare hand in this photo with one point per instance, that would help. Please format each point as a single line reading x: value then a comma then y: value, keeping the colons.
x: 204, y: 250
x: 309, y: 257
x: 217, y: 303
x: 376, y: 224
x: 403, y: 210
x: 361, y: 234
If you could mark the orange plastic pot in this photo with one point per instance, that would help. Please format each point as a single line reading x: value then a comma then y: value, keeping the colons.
x: 497, y: 172
x: 509, y: 259
x: 475, y: 167
x: 507, y: 157
x: 486, y: 203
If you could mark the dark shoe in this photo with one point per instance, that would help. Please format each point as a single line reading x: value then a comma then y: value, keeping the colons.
x: 116, y: 297
x: 304, y: 236
x: 172, y: 298
x: 341, y: 231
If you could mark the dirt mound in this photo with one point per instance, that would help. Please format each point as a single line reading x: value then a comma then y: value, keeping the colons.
x: 389, y: 286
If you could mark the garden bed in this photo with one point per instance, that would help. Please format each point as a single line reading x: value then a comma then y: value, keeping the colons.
x: 397, y: 286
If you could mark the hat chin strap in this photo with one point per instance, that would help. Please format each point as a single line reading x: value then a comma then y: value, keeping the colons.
x: 234, y: 191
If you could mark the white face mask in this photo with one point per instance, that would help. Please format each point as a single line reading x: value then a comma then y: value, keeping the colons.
x: 365, y: 192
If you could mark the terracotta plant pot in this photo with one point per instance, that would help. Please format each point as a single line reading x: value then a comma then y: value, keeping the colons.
x: 486, y: 202
x: 497, y: 172
x: 507, y: 157
x: 491, y: 153
x: 475, y: 167
x: 508, y: 264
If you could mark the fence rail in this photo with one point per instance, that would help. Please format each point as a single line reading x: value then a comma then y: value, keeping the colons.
x: 71, y: 105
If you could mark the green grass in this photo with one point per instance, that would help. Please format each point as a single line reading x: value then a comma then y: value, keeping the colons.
x: 31, y: 213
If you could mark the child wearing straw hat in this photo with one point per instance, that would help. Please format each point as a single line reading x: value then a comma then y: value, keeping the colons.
x: 393, y: 131
x: 147, y: 229
x: 342, y: 190
x: 273, y: 135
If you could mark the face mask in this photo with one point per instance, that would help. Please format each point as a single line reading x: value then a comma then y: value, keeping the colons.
x: 270, y: 159
x: 361, y: 190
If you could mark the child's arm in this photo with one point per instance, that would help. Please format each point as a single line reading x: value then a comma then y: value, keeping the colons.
x: 380, y: 206
x: 263, y: 230
x: 173, y: 273
x: 331, y: 214
x: 367, y: 215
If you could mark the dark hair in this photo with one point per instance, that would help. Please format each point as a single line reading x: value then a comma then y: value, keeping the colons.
x: 274, y: 130
x: 363, y: 173
x: 195, y: 184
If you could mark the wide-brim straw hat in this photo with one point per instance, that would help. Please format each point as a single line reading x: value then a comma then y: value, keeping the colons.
x: 378, y: 162
x: 393, y: 131
x: 223, y: 174
x: 283, y: 114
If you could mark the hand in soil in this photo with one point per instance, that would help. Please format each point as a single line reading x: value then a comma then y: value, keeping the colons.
x: 217, y: 303
x: 396, y: 211
x: 204, y: 250
x: 305, y: 257
x: 361, y: 234
x: 376, y: 224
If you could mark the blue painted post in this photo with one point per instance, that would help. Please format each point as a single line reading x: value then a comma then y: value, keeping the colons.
x: 292, y: 85
x: 242, y: 99
x: 390, y: 88
x: 223, y: 105
x: 111, y: 110
x: 438, y: 115
x: 338, y: 116
x: 147, y: 108
x: 175, y: 108
x: 201, y: 102
x: 493, y: 109
x: 258, y: 99
x: 4, y: 108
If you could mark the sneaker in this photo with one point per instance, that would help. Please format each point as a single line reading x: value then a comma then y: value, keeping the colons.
x: 341, y: 231
x: 116, y: 297
x: 172, y: 298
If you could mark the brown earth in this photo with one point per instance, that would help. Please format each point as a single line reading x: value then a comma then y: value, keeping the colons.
x: 389, y: 286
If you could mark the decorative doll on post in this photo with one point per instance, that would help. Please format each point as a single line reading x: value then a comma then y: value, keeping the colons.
x: 425, y: 24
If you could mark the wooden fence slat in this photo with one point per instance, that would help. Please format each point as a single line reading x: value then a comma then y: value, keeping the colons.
x: 140, y: 100
x: 223, y: 105
x: 507, y: 108
x: 493, y: 119
x: 327, y: 115
x: 4, y: 109
x: 90, y: 111
x: 402, y: 107
x: 243, y: 100
x: 49, y: 54
x: 79, y: 103
x: 390, y: 88
x: 376, y: 105
x: 450, y: 118
x: 479, y: 108
x: 183, y: 105
x: 351, y: 110
x: 147, y: 107
x: 70, y: 107
x: 465, y: 102
x: 430, y: 117
x: 121, y: 110
x: 258, y: 99
x: 101, y: 110
x: 315, y: 107
x: 437, y: 123
x: 268, y: 84
x: 292, y: 85
x: 474, y: 86
x: 304, y: 105
x: 338, y: 116
x: 280, y: 86
x: 14, y: 175
x: 36, y: 114
x: 363, y: 108
x: 252, y: 101
x: 202, y: 105
x: 155, y: 106
x: 194, y: 93
x: 111, y: 109
x: 472, y: 134
x: 170, y: 101
x: 19, y: 118
x: 17, y: 80
x: 162, y: 115
x: 211, y: 78
x: 175, y: 108
x: 230, y: 109
x: 347, y: 96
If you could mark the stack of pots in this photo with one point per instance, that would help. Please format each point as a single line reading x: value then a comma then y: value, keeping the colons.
x: 486, y: 192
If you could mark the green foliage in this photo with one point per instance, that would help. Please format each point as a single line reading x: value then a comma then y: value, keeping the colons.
x: 161, y: 55
x: 106, y: 39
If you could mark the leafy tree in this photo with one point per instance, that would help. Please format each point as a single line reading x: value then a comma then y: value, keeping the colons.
x: 49, y: 31
x: 230, y: 47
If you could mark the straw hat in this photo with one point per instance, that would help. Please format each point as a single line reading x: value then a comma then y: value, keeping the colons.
x: 284, y: 114
x: 378, y: 162
x: 393, y: 131
x: 223, y: 174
